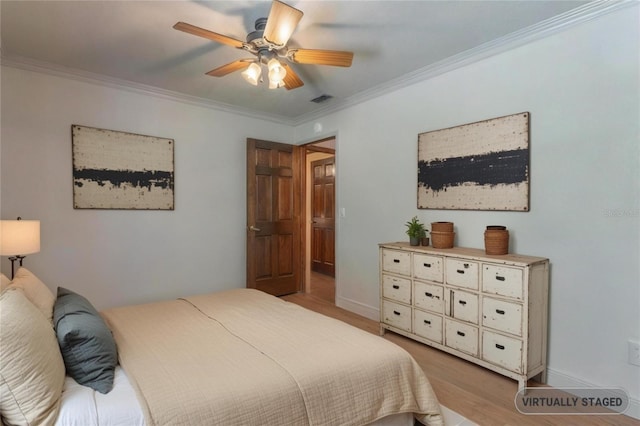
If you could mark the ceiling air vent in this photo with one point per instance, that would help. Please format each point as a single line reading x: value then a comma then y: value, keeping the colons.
x: 322, y: 98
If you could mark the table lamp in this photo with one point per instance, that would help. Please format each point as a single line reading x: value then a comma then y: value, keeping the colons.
x: 19, y: 238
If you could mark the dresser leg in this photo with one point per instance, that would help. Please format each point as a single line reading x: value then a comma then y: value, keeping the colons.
x: 541, y: 377
x: 522, y: 385
x: 382, y: 330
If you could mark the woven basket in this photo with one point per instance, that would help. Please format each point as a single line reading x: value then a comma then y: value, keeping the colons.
x: 496, y: 241
x: 442, y: 239
x: 442, y: 226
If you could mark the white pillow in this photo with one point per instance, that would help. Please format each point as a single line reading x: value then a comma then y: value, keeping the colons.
x: 35, y: 290
x: 32, y: 370
x: 4, y: 282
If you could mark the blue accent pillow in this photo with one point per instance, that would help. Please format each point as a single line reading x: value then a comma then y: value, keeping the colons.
x: 87, y: 345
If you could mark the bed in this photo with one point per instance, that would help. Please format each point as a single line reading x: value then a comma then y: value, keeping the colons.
x: 242, y: 357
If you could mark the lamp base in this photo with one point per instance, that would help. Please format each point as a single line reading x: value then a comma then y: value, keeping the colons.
x: 13, y: 259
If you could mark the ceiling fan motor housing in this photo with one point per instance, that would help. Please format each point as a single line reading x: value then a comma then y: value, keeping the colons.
x: 257, y: 37
x: 258, y: 45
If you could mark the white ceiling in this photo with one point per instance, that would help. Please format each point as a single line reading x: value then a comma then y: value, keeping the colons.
x: 133, y: 42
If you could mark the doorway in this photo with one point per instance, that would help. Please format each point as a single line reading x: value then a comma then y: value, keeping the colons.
x: 320, y: 212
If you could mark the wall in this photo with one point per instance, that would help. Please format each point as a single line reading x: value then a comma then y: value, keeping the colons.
x: 581, y: 88
x: 115, y: 257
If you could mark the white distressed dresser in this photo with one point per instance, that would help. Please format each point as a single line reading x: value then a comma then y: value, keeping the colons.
x: 490, y: 310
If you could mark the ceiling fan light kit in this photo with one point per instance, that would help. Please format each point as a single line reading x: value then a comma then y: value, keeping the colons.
x: 269, y: 43
x: 277, y: 73
x: 252, y: 74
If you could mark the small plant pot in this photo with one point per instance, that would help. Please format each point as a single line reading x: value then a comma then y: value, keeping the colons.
x: 424, y: 241
x: 442, y: 239
x: 496, y: 240
x: 414, y: 241
x: 442, y: 226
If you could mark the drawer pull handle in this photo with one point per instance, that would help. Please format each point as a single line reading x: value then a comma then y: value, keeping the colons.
x: 460, y: 271
x: 396, y: 312
x: 396, y: 260
x: 500, y: 311
x: 500, y: 347
x: 499, y: 278
x: 427, y: 322
x: 427, y: 265
x: 460, y: 333
x: 428, y: 294
x: 396, y: 286
x: 462, y: 302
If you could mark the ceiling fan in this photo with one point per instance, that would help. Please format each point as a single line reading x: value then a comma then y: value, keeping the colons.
x: 268, y: 42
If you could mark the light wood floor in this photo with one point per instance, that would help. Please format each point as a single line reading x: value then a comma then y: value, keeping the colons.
x: 476, y: 393
x: 323, y: 287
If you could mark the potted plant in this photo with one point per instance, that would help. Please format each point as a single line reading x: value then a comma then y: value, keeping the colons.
x: 415, y: 231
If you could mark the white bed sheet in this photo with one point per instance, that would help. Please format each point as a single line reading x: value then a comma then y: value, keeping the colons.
x: 82, y: 406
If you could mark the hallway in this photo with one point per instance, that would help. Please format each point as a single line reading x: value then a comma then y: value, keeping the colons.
x: 323, y: 287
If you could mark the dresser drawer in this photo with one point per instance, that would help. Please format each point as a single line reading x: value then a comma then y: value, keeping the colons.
x: 427, y: 267
x: 427, y: 325
x: 396, y: 288
x: 503, y: 351
x: 461, y: 336
x: 429, y: 296
x: 396, y: 261
x: 464, y: 306
x: 502, y: 280
x: 502, y: 315
x: 396, y: 315
x: 461, y: 273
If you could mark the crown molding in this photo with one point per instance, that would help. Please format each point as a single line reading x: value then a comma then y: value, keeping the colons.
x: 582, y: 14
x: 28, y: 64
x: 557, y: 24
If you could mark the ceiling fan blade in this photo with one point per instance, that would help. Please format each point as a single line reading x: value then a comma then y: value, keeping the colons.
x: 291, y: 79
x: 322, y: 57
x: 281, y: 22
x: 230, y: 67
x: 201, y: 32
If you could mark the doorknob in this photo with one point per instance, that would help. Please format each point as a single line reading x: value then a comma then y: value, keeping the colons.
x: 253, y: 228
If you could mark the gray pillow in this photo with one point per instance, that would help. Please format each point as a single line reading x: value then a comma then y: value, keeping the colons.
x: 87, y: 345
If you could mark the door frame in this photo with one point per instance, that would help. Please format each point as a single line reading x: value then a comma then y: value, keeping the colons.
x: 308, y: 148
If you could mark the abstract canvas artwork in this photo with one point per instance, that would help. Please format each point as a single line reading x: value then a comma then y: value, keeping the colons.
x: 477, y: 166
x: 118, y: 170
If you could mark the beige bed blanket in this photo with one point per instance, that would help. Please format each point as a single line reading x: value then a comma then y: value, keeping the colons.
x: 243, y: 357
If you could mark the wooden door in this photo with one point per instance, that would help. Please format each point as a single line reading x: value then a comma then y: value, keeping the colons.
x: 274, y: 244
x: 323, y: 216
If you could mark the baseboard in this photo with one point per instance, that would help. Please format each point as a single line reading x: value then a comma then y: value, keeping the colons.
x: 558, y: 379
x: 358, y: 308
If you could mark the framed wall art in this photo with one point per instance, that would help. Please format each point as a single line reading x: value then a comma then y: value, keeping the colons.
x: 477, y: 166
x: 118, y: 170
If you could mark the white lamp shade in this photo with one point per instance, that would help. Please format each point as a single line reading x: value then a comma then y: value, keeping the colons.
x: 276, y: 73
x: 275, y: 85
x: 19, y: 237
x: 252, y: 74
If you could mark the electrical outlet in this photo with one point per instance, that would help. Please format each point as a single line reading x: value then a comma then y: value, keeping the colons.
x: 634, y: 352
